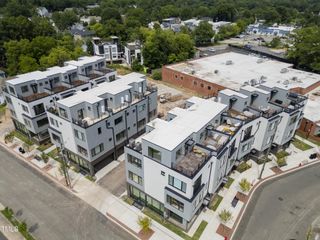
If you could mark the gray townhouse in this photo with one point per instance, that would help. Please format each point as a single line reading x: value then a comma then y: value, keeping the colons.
x: 29, y: 95
x: 181, y: 161
x: 93, y: 126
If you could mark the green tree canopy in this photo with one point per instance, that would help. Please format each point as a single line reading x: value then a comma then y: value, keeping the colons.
x: 203, y: 34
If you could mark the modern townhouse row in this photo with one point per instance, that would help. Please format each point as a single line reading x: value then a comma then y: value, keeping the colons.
x: 180, y: 162
x: 29, y: 95
x: 92, y: 127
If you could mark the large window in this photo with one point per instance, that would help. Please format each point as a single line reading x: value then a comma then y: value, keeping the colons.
x: 153, y: 153
x: 63, y: 113
x: 82, y: 150
x: 176, y: 183
x: 8, y: 100
x: 38, y: 109
x: 79, y: 135
x: 136, y: 178
x: 42, y: 122
x: 134, y: 161
x: 98, y: 149
x: 118, y: 120
x: 142, y: 107
x: 24, y: 89
x: 11, y: 89
x: 141, y: 123
x: 293, y: 120
x: 175, y: 203
x: 121, y: 135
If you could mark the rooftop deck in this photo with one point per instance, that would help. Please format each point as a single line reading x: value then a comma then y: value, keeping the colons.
x: 190, y: 163
x: 215, y: 141
x: 34, y: 97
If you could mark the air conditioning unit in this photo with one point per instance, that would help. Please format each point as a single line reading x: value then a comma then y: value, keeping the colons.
x: 284, y: 70
x: 229, y: 62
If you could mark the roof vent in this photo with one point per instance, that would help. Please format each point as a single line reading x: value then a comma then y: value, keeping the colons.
x: 193, y: 72
x: 216, y: 71
x: 286, y: 82
x: 246, y: 83
x: 260, y: 60
x: 253, y: 82
x: 229, y: 62
x: 284, y: 70
x: 294, y: 78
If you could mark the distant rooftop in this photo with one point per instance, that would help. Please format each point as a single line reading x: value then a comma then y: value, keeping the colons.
x: 170, y: 134
x: 84, y: 60
x: 93, y: 95
x: 311, y: 111
x: 233, y: 70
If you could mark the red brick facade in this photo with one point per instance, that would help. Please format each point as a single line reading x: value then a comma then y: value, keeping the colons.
x: 193, y: 83
x: 307, y: 128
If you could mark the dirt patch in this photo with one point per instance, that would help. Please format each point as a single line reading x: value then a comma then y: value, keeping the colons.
x: 276, y: 170
x: 242, y: 197
x: 145, y: 235
x: 224, y: 231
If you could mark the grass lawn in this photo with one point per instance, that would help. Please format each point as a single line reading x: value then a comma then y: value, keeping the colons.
x: 300, y: 145
x: 281, y: 154
x: 216, y: 202
x: 44, y: 146
x: 156, y: 217
x: 55, y: 155
x: 121, y: 70
x: 2, y: 109
x: 22, y: 137
x: 228, y: 184
x: 308, y: 139
x: 243, y: 166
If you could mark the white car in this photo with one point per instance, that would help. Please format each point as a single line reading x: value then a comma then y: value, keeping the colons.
x: 211, y: 50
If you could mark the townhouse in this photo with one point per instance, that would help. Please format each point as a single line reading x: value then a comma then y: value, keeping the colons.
x: 29, y: 95
x: 181, y: 161
x: 110, y: 50
x: 93, y: 126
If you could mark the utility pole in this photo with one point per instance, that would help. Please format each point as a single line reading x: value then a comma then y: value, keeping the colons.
x: 269, y: 149
x: 64, y: 166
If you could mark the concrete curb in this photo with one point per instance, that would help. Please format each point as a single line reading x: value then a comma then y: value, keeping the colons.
x: 258, y: 184
x: 59, y: 185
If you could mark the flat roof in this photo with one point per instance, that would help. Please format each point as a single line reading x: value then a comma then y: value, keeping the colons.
x: 233, y: 70
x: 230, y: 92
x: 169, y: 135
x: 311, y: 110
x: 38, y: 75
x: 93, y: 95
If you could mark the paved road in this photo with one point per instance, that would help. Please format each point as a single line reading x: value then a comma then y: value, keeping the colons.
x: 283, y: 209
x: 2, y: 237
x: 50, y: 212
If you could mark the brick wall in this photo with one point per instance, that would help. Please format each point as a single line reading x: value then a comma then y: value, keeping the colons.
x: 308, y: 127
x: 193, y: 83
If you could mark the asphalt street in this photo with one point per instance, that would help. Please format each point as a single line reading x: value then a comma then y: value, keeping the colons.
x: 283, y: 209
x: 2, y: 237
x: 50, y: 212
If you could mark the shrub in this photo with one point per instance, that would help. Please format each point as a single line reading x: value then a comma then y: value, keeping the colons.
x: 9, y: 137
x: 281, y: 162
x: 157, y: 75
x: 225, y: 216
x: 144, y: 223
x: 244, y: 185
x: 243, y: 167
x: 45, y: 157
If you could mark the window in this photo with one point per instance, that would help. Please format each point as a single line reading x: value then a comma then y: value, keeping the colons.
x: 121, y: 135
x: 272, y: 126
x: 11, y: 90
x: 118, y: 120
x: 247, y: 133
x: 110, y: 139
x: 136, y: 178
x: 63, y: 113
x: 209, y: 87
x: 24, y: 89
x: 42, y: 122
x: 8, y: 100
x: 26, y: 122
x: 79, y: 135
x: 175, y: 203
x: 290, y: 133
x: 25, y: 108
x: 142, y: 107
x: 163, y: 173
x: 202, y: 85
x: 99, y: 130
x: 82, y: 151
x: 134, y: 161
x: 153, y: 153
x: 293, y: 120
x: 55, y: 137
x: 39, y: 109
x: 195, y: 83
x: 13, y: 113
x: 141, y: 123
x: 269, y: 140
x: 176, y: 183
x: 98, y: 149
x: 245, y: 147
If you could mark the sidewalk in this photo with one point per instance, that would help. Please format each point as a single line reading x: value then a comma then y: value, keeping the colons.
x: 7, y: 229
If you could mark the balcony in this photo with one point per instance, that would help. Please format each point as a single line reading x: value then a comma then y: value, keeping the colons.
x: 33, y: 97
x: 135, y: 145
x: 215, y: 141
x: 87, y: 121
x: 193, y: 161
x: 246, y: 115
x: 106, y: 70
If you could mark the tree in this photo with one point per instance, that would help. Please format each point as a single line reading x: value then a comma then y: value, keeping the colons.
x: 306, y: 48
x: 27, y: 64
x: 136, y: 66
x: 275, y: 42
x: 57, y: 56
x: 17, y: 8
x: 244, y: 185
x: 64, y: 20
x: 225, y: 216
x: 144, y: 223
x: 203, y: 34
x: 90, y: 49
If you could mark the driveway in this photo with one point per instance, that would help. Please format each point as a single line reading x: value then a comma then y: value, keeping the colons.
x: 283, y: 209
x: 115, y: 181
x: 50, y: 212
